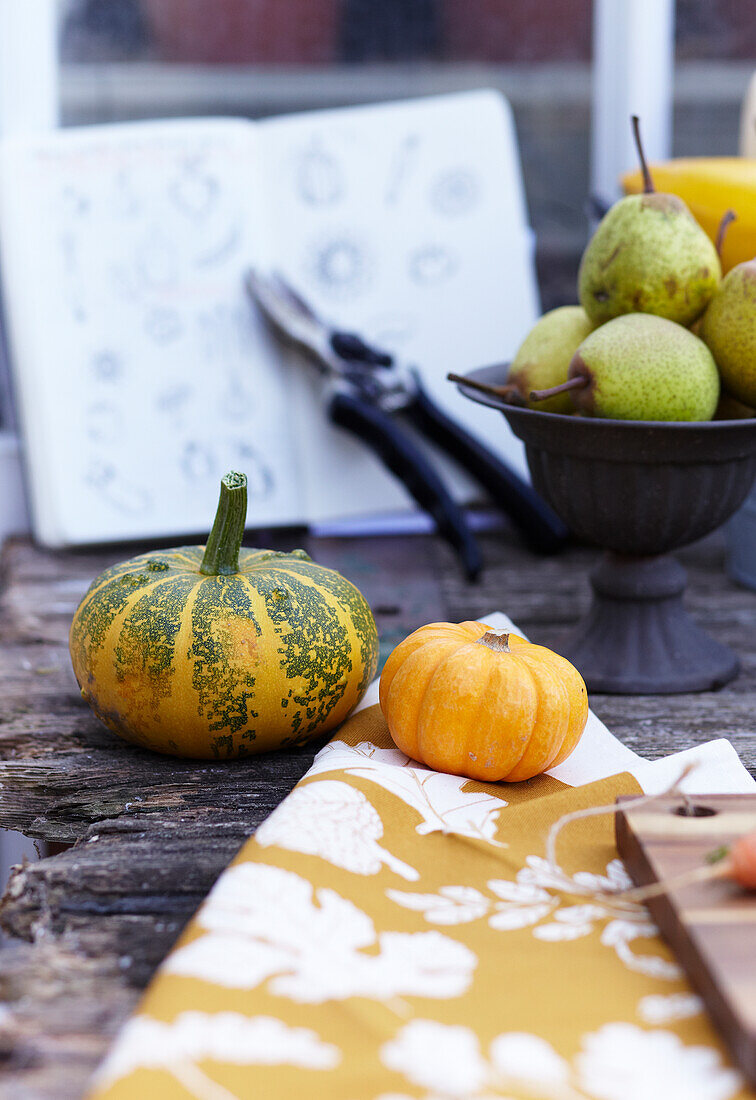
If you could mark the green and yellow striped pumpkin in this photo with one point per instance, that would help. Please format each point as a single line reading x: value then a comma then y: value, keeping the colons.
x: 218, y: 651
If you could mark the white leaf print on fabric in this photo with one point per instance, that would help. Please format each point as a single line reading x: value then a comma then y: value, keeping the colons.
x: 221, y: 1037
x: 262, y: 922
x: 539, y: 891
x: 616, y: 878
x: 620, y: 933
x: 521, y: 916
x: 625, y: 920
x: 520, y: 905
x: 448, y: 1061
x: 332, y: 820
x: 338, y: 756
x: 618, y: 1062
x: 623, y: 1062
x: 666, y: 1008
x: 520, y: 1057
x: 451, y: 905
x: 437, y: 797
x: 437, y: 1056
x: 571, y: 923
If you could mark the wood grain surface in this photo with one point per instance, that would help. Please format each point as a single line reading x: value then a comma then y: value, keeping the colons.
x: 711, y: 926
x: 150, y: 834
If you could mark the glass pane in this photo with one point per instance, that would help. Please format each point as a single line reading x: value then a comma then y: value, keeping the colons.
x: 326, y: 31
x: 141, y: 58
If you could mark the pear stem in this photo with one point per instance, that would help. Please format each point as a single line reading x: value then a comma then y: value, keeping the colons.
x: 508, y: 393
x: 575, y: 383
x: 728, y: 217
x: 648, y: 183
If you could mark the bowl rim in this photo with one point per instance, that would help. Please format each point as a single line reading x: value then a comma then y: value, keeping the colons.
x: 495, y: 375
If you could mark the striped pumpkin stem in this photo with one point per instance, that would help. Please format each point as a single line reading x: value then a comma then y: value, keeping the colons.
x: 221, y: 556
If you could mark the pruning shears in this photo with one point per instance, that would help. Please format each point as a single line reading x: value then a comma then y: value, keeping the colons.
x: 370, y: 392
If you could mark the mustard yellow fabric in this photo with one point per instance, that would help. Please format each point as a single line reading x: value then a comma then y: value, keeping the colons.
x: 394, y: 933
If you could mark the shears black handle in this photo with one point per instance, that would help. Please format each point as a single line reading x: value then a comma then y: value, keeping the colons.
x: 541, y: 528
x: 401, y: 456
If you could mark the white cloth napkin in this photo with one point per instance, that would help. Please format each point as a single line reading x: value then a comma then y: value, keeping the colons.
x: 599, y: 754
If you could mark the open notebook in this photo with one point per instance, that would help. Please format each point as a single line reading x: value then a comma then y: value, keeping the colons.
x: 142, y: 372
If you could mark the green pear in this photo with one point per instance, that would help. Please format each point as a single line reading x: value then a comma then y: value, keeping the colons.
x: 648, y: 255
x: 641, y: 367
x: 544, y: 356
x: 729, y: 329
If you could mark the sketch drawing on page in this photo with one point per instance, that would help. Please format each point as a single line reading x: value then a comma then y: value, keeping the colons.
x: 197, y: 462
x: 115, y: 490
x: 342, y: 266
x: 222, y: 248
x: 236, y: 401
x: 400, y: 167
x: 103, y: 422
x: 455, y: 192
x: 319, y: 176
x: 391, y: 330
x: 432, y: 264
x: 195, y: 190
x: 173, y: 401
x: 260, y: 480
x: 107, y: 366
x: 163, y: 325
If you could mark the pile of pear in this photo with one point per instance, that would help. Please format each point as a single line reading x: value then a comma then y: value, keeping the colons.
x: 658, y: 334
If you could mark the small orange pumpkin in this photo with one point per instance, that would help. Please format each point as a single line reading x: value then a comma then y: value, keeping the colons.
x: 470, y: 700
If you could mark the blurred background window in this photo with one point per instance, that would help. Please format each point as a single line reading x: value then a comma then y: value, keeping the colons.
x: 125, y: 59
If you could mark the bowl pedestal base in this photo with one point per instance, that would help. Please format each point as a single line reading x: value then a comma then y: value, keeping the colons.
x: 638, y: 639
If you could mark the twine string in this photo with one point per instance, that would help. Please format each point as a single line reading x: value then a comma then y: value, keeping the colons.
x: 635, y: 893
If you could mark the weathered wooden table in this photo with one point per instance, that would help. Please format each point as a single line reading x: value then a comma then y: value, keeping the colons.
x: 149, y: 834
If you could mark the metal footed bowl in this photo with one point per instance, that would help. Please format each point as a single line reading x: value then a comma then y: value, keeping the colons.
x: 639, y: 490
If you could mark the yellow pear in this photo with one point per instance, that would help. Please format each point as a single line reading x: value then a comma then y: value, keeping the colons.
x: 729, y: 329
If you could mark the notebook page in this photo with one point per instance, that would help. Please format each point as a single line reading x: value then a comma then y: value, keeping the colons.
x: 143, y: 374
x: 405, y: 222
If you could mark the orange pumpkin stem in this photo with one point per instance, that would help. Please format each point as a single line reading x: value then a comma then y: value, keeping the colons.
x: 499, y: 643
